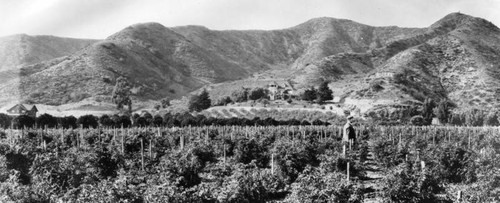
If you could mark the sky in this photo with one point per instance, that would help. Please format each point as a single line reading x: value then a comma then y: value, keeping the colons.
x: 97, y: 19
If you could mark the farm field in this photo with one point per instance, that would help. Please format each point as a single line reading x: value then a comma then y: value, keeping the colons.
x: 250, y: 164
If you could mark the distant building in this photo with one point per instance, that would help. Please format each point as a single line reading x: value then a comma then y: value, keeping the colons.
x: 23, y: 109
x: 283, y: 90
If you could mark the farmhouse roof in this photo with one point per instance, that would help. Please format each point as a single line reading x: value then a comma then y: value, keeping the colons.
x: 18, y: 108
x: 21, y: 108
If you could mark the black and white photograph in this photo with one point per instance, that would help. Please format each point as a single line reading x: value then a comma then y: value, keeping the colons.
x: 250, y: 101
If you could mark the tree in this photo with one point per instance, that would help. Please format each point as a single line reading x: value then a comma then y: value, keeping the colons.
x: 69, y: 122
x: 443, y: 111
x: 309, y: 94
x: 324, y: 93
x: 200, y: 102
x: 427, y: 110
x: 474, y: 117
x: 158, y: 121
x: 240, y: 95
x: 121, y: 94
x: 258, y: 93
x: 148, y: 117
x: 5, y: 120
x: 88, y: 121
x: 224, y: 101
x: 46, y: 120
x: 491, y: 119
x: 23, y: 121
x: 124, y: 121
x: 106, y: 121
x: 141, y: 122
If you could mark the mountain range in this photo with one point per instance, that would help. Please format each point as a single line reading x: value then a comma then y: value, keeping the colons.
x: 456, y: 58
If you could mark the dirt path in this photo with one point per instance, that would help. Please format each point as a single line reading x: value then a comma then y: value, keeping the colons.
x: 374, y: 175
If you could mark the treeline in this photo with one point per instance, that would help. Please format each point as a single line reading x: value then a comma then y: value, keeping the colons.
x: 144, y: 120
x: 444, y: 112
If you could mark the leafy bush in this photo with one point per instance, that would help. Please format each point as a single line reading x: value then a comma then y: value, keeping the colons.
x: 251, y: 185
x: 389, y: 154
x: 417, y: 120
x: 407, y: 184
x: 185, y: 166
x: 247, y: 150
x: 453, y: 164
x: 292, y: 157
x: 316, y: 185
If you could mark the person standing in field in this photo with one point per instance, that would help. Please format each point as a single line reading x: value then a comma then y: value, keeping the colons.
x: 349, y: 132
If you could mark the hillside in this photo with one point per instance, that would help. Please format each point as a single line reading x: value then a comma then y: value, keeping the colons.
x: 23, y: 49
x: 456, y: 57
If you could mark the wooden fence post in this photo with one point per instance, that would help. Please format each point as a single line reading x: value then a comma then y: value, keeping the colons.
x: 142, y: 153
x: 123, y: 141
x: 343, y: 150
x: 224, y: 149
x: 348, y: 173
x: 150, y: 148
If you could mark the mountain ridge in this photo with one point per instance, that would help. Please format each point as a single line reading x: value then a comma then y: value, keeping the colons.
x: 171, y: 62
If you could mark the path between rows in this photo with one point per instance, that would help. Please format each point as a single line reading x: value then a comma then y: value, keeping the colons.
x: 374, y: 176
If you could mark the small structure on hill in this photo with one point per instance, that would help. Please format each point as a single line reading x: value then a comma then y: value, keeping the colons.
x: 283, y: 90
x: 23, y: 109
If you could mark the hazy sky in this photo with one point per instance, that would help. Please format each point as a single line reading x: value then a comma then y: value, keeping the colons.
x: 101, y: 18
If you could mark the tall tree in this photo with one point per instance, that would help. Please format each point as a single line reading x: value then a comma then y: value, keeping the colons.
x: 427, y: 110
x: 258, y: 93
x: 309, y: 94
x: 46, y: 120
x: 121, y: 94
x: 443, y: 111
x: 200, y: 102
x: 324, y: 93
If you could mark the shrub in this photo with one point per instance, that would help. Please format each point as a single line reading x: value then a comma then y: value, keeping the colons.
x: 417, y: 120
x: 453, y: 164
x: 188, y: 163
x: 251, y: 185
x: 316, y: 185
x: 247, y: 150
x: 405, y: 184
x: 292, y: 157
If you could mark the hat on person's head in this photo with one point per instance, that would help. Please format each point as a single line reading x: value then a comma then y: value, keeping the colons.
x: 350, y: 117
